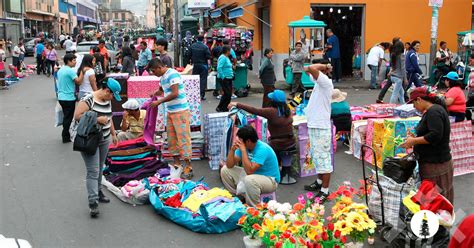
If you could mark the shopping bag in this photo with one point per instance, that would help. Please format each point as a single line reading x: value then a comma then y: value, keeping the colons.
x: 211, y: 81
x: 58, y: 110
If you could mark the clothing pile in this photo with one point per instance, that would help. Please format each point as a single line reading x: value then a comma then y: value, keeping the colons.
x: 195, y: 206
x: 197, y: 143
x: 129, y: 156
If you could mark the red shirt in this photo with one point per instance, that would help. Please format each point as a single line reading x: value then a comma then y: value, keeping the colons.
x: 459, y: 103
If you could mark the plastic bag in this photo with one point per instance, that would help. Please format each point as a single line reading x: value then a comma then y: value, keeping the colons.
x: 211, y: 81
x: 58, y: 110
x: 175, y: 171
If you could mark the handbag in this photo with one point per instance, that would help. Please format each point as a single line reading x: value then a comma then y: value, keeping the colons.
x: 399, y: 169
x: 88, y: 143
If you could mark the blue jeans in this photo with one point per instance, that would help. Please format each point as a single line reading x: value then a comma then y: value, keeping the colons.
x: 374, y: 71
x: 94, y: 164
x: 398, y: 94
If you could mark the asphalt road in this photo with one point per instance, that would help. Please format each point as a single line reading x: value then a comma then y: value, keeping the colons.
x: 43, y: 195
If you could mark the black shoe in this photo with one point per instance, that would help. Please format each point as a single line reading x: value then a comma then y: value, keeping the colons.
x: 379, y: 101
x: 215, y: 93
x: 203, y: 98
x: 315, y: 187
x: 94, y: 210
x: 103, y: 198
x: 323, y: 197
x: 66, y: 140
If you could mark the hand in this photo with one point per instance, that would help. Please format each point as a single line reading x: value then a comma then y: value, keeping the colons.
x: 231, y: 105
x: 155, y: 104
x: 125, y: 114
x: 240, y: 144
x: 102, y: 120
x: 409, y: 143
x: 114, y: 139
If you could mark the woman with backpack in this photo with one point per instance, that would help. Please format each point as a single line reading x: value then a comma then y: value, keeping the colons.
x: 51, y: 59
x: 89, y: 83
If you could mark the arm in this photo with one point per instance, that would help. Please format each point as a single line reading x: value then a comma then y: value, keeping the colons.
x: 256, y: 111
x: 93, y: 81
x: 414, y: 61
x: 249, y: 166
x: 78, y: 80
x: 434, y: 135
x: 262, y: 67
x: 232, y: 160
x: 299, y: 57
x: 124, y: 125
x: 450, y: 96
x: 174, y: 93
x: 81, y: 108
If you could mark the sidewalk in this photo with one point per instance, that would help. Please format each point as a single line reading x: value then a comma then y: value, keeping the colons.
x: 347, y: 83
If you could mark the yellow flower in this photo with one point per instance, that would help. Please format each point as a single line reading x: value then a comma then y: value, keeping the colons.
x: 358, y: 206
x: 311, y: 234
x: 292, y: 229
x: 355, y: 220
x: 343, y: 227
x: 261, y: 233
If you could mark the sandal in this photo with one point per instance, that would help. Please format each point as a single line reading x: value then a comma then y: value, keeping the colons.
x: 187, y: 173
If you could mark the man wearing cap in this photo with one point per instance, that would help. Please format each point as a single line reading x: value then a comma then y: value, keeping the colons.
x: 67, y: 81
x: 133, y: 122
x: 318, y: 113
x: 177, y: 114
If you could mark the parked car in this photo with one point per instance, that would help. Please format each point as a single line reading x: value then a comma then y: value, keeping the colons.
x: 86, y: 46
x: 29, y: 46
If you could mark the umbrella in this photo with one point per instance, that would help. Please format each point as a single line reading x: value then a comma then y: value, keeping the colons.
x: 89, y: 27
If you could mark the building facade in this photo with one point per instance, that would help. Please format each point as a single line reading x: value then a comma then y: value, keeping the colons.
x: 11, y: 17
x: 40, y: 16
x: 67, y: 16
x: 87, y: 13
x: 117, y: 18
x: 359, y: 24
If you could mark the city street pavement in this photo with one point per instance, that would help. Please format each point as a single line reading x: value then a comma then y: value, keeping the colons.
x: 43, y: 194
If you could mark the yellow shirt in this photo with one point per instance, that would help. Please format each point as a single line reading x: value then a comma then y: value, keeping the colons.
x: 199, y: 197
x: 134, y: 125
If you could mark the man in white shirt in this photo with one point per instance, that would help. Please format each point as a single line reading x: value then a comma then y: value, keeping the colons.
x: 318, y: 114
x: 68, y: 44
x: 374, y: 61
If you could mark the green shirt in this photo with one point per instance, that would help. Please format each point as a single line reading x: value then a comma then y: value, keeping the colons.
x: 66, y: 85
x: 338, y: 108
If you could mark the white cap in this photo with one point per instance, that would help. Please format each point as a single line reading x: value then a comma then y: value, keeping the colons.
x: 131, y: 104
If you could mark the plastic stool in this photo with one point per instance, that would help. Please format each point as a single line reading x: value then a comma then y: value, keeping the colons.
x: 267, y: 197
x: 286, y: 162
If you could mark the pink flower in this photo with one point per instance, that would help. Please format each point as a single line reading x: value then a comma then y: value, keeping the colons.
x: 309, y: 195
x: 301, y: 199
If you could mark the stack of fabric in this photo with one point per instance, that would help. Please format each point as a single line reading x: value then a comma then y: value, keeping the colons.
x: 197, y: 143
x: 214, y: 136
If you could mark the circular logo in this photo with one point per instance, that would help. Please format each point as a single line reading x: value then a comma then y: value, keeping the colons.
x: 424, y: 224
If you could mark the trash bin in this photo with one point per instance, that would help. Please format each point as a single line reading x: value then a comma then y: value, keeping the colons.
x: 240, y: 76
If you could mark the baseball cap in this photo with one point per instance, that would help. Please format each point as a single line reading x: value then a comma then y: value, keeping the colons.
x: 420, y: 92
x: 277, y: 96
x: 452, y: 75
x: 131, y: 104
x: 115, y: 87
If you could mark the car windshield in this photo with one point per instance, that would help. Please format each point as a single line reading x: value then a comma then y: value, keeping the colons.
x: 30, y: 43
x: 85, y: 47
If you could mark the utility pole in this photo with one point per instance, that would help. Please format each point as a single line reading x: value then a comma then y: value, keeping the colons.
x: 176, y: 33
x: 158, y: 13
x: 435, y: 5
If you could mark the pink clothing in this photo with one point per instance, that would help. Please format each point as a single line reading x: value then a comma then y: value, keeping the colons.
x: 51, y: 54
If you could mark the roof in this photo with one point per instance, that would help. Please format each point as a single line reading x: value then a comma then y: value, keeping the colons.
x: 466, y: 32
x: 307, y: 22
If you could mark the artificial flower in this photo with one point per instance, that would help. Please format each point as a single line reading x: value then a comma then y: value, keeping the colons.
x: 299, y: 223
x: 309, y: 195
x: 343, y: 227
x: 256, y: 226
x: 325, y: 236
x: 331, y: 226
x: 337, y: 234
x: 242, y: 219
x: 298, y: 206
x: 301, y: 199
x: 356, y: 221
x: 279, y: 217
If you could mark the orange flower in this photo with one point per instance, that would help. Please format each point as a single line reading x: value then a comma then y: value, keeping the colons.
x: 298, y: 206
x: 299, y: 223
x: 255, y: 213
x: 250, y: 211
x: 242, y: 219
x: 314, y: 223
x: 256, y: 226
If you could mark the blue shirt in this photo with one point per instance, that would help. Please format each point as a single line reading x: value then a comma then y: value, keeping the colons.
x: 334, y: 52
x: 232, y: 54
x: 144, y: 57
x: 66, y: 85
x: 180, y: 103
x: 224, y: 68
x: 263, y: 155
x: 39, y: 48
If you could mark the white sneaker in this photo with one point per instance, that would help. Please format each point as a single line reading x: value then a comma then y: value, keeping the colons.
x: 218, y: 97
x: 233, y: 96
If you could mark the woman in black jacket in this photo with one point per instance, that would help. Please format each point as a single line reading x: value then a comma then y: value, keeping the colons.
x: 128, y: 63
x: 267, y: 76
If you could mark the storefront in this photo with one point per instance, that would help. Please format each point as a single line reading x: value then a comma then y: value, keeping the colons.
x: 36, y: 23
x: 360, y: 24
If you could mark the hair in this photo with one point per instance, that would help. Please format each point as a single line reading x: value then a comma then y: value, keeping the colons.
x: 200, y: 38
x: 126, y: 51
x: 156, y: 62
x: 132, y: 47
x: 99, y: 59
x: 101, y: 41
x: 329, y: 30
x: 68, y: 57
x: 320, y: 61
x: 408, y: 43
x: 436, y: 100
x: 298, y: 43
x: 126, y: 38
x: 414, y: 43
x: 385, y: 45
x: 50, y: 45
x: 395, y: 39
x: 247, y: 133
x: 143, y: 43
x: 225, y: 49
x: 442, y: 43
x: 282, y: 106
x: 472, y: 56
x: 395, y: 52
x: 454, y: 83
x: 103, y: 84
x: 225, y: 41
x: 162, y: 42
x: 267, y: 51
x: 86, y: 62
x: 96, y: 49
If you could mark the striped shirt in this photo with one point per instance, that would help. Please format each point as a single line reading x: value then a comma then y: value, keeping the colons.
x: 180, y: 103
x: 102, y: 109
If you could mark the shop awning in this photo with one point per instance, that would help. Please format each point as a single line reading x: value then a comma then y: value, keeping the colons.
x: 218, y: 11
x: 239, y: 12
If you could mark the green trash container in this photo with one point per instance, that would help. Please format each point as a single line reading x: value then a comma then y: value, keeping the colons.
x: 240, y: 76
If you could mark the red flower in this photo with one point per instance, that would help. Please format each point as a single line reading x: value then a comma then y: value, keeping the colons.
x: 331, y: 226
x: 299, y: 223
x: 337, y: 234
x: 251, y: 211
x: 255, y: 213
x: 292, y: 240
x: 336, y: 246
x: 318, y: 246
x: 309, y: 245
x: 343, y: 239
x: 314, y: 222
x: 325, y: 236
x: 273, y: 236
x: 242, y: 219
x: 256, y: 226
x: 301, y: 240
x: 298, y: 206
x: 332, y: 196
x: 278, y: 244
x: 286, y: 235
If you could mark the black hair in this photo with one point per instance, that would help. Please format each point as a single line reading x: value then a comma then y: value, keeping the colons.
x: 96, y: 49
x: 247, y: 133
x: 472, y: 56
x: 298, y: 43
x: 162, y: 42
x: 156, y: 62
x: 200, y: 38
x: 69, y: 57
x: 267, y: 51
x: 414, y: 43
x: 385, y: 45
x: 225, y: 49
x: 126, y: 38
x: 225, y: 41
x: 395, y: 52
x: 442, y: 43
x: 126, y: 51
x: 143, y: 43
x: 86, y: 62
x: 99, y: 59
x: 132, y: 47
x: 454, y: 83
x: 101, y: 41
x: 320, y: 61
x: 283, y: 106
x: 103, y: 84
x: 408, y: 43
x: 436, y: 100
x: 395, y: 39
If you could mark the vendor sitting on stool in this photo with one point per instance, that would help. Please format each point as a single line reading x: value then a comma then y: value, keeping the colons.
x: 340, y: 111
x: 133, y: 121
x: 259, y: 173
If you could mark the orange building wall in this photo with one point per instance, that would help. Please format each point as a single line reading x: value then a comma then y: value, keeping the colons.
x: 384, y: 19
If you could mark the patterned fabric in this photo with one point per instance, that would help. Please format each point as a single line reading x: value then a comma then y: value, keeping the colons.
x: 395, y: 128
x: 462, y: 147
x: 193, y: 94
x: 180, y: 103
x: 179, y: 134
x: 358, y: 134
x: 374, y: 135
x: 321, y: 146
x: 214, y: 131
x: 142, y: 87
x: 382, y: 109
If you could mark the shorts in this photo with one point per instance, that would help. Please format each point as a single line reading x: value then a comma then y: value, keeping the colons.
x: 321, y: 149
x: 179, y: 134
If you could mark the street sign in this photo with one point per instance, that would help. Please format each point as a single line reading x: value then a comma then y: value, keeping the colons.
x: 201, y: 4
x: 435, y: 3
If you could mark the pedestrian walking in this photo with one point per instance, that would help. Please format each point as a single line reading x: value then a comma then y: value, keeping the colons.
x: 68, y: 45
x: 267, y: 76
x: 398, y: 74
x: 178, y: 115
x: 39, y: 48
x: 17, y: 52
x: 51, y: 57
x: 412, y: 66
x: 162, y: 48
x: 99, y: 65
x: 200, y: 56
x: 297, y: 58
x: 225, y: 75
x: 333, y: 52
x: 318, y: 114
x: 99, y: 102
x: 143, y: 58
x: 374, y: 61
x: 89, y: 83
x: 67, y: 81
x: 9, y: 45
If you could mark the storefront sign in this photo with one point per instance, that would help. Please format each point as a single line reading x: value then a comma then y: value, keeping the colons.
x: 435, y: 3
x: 237, y: 12
x: 201, y: 4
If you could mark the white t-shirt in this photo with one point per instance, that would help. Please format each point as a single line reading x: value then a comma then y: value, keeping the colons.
x: 375, y: 54
x: 68, y: 44
x: 318, y: 111
x: 62, y: 37
x: 79, y: 58
x: 16, y: 51
x: 86, y: 83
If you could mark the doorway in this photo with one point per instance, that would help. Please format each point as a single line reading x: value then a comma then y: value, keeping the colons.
x: 346, y: 21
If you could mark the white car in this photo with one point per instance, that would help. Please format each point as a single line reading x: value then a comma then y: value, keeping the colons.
x: 86, y: 46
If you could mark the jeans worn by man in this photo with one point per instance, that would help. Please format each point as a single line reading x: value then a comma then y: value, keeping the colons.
x: 374, y: 71
x: 202, y: 71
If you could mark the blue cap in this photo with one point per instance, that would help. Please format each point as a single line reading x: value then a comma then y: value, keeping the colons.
x: 115, y: 87
x: 277, y: 96
x: 452, y: 75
